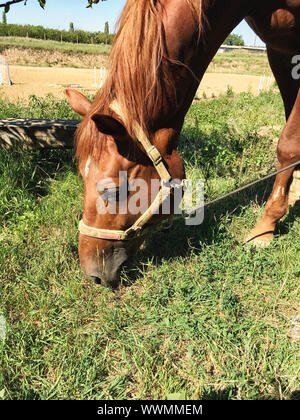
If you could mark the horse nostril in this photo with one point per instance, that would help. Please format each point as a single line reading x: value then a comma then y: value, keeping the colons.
x: 97, y: 280
x: 94, y: 279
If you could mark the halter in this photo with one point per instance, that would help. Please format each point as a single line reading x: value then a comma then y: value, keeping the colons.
x: 138, y: 229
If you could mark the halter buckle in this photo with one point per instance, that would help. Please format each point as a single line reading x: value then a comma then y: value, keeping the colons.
x: 154, y: 155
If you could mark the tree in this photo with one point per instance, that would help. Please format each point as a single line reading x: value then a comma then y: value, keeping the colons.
x: 4, y: 17
x: 42, y: 3
x: 234, y: 39
x: 71, y: 29
x: 106, y: 28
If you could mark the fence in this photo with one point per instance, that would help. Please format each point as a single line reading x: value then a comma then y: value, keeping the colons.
x: 265, y: 83
x: 4, y: 72
x: 100, y: 75
x: 37, y: 134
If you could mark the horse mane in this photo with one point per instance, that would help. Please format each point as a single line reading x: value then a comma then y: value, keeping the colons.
x: 140, y: 72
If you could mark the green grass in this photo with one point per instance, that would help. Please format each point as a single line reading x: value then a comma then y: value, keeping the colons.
x: 204, y: 318
x: 40, y: 44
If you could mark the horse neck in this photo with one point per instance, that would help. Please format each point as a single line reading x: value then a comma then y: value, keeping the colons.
x: 180, y: 39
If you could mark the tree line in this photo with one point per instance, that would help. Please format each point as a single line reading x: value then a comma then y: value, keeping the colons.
x: 6, y: 4
x: 79, y: 36
x: 39, y: 32
x: 234, y: 39
x: 71, y: 35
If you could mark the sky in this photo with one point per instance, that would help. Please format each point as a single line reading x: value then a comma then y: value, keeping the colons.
x: 59, y: 13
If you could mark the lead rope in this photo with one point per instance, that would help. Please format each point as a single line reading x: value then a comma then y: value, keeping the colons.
x: 245, y: 187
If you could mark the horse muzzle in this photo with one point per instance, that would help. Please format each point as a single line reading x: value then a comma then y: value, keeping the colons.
x: 106, y: 269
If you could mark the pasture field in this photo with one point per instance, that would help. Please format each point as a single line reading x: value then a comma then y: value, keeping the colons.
x: 43, y: 53
x: 199, y: 317
x: 38, y: 66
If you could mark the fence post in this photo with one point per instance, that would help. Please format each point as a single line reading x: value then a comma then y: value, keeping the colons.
x: 95, y: 77
x: 9, y: 82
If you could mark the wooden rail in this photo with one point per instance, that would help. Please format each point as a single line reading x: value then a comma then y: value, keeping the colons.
x: 37, y: 134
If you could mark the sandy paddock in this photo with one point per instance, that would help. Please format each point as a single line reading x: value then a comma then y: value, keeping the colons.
x: 38, y: 81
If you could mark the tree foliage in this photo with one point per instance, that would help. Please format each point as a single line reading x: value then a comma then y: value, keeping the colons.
x: 106, y: 28
x: 39, y: 32
x: 234, y: 39
x: 4, y: 20
x: 42, y: 3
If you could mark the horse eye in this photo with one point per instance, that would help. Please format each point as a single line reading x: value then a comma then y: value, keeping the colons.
x: 111, y: 193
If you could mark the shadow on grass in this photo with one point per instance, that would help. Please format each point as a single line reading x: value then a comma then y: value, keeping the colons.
x: 295, y: 395
x: 221, y: 395
x: 180, y: 240
x: 283, y: 227
x: 33, y: 170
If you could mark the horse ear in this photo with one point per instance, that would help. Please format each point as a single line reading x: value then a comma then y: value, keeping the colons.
x: 110, y: 126
x: 79, y: 103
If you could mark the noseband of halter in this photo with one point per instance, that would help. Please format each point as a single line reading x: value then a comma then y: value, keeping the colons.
x: 139, y: 228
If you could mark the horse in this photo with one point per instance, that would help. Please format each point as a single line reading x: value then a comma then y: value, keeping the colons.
x: 160, y: 53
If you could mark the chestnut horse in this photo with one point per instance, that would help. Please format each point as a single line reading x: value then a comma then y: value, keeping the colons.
x: 160, y: 54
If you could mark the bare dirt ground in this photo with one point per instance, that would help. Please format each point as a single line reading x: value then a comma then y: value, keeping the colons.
x: 42, y: 80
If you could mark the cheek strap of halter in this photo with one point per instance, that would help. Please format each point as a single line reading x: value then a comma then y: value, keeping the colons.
x: 150, y: 150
